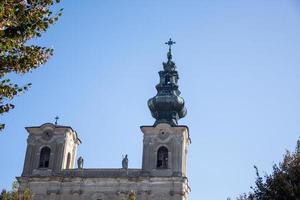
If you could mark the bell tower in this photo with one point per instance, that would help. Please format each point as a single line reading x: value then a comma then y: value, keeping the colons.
x: 165, y: 144
x: 50, y: 149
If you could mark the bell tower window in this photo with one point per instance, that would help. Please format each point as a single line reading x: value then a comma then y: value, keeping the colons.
x: 162, y: 158
x: 45, y: 157
x: 168, y: 80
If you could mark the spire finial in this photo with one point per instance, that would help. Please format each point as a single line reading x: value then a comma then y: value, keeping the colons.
x: 170, y: 43
x: 56, y: 119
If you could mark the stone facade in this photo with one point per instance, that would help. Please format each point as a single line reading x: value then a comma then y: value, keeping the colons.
x: 62, y: 142
x: 50, y: 174
x: 175, y: 139
x: 59, y: 181
x: 106, y: 188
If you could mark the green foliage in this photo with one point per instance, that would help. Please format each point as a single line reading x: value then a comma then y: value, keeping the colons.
x: 21, y: 21
x: 15, y: 194
x: 132, y: 196
x: 282, y: 184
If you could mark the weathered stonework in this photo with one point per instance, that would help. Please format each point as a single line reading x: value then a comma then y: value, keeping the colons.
x: 58, y: 183
x: 62, y: 141
x: 175, y: 139
x: 92, y: 186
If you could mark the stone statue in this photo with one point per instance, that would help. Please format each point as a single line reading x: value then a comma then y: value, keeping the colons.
x: 80, y: 162
x: 125, y: 162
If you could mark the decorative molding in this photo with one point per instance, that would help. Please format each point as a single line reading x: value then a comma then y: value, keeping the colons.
x: 31, y: 140
x: 53, y: 192
x: 76, y: 192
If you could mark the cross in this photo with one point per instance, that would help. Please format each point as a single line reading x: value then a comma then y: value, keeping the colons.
x: 170, y: 43
x: 56, y: 119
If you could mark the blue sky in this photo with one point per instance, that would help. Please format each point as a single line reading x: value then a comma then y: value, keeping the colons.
x: 239, y: 70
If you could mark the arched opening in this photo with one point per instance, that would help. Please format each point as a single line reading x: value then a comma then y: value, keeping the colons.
x: 162, y: 158
x: 168, y: 80
x: 68, y: 161
x: 45, y: 157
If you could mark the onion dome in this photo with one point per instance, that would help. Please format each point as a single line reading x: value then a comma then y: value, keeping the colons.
x: 167, y: 106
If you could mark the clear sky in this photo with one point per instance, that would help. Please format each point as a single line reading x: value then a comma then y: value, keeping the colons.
x: 239, y: 68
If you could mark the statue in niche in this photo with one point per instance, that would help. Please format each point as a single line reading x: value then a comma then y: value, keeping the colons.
x: 80, y: 162
x: 125, y: 162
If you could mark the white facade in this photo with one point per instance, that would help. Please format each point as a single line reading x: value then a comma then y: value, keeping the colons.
x: 52, y: 176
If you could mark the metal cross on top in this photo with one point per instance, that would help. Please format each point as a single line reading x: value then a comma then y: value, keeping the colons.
x: 56, y: 119
x: 170, y: 43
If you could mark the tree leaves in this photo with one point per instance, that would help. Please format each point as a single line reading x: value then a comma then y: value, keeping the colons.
x: 131, y: 196
x: 282, y: 184
x: 20, y: 22
x: 15, y: 194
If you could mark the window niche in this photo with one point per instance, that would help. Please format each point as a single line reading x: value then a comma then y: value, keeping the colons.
x: 167, y: 80
x: 162, y: 158
x: 45, y: 157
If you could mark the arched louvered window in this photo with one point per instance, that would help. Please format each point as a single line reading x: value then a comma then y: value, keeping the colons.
x: 167, y: 80
x: 44, y: 157
x: 68, y: 161
x: 162, y: 158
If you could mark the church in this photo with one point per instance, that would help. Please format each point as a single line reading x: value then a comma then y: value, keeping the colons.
x: 49, y: 168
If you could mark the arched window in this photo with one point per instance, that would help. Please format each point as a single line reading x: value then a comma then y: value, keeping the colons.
x: 45, y: 157
x: 168, y: 80
x: 68, y: 161
x: 162, y: 158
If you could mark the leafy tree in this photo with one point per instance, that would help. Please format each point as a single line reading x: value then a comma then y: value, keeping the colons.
x: 282, y: 184
x: 15, y: 195
x: 132, y: 196
x: 20, y: 22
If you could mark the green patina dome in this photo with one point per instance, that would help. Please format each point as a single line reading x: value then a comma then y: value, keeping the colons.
x: 167, y: 106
